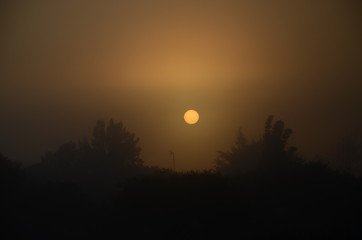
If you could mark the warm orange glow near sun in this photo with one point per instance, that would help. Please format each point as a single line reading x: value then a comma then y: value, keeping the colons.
x: 191, y: 117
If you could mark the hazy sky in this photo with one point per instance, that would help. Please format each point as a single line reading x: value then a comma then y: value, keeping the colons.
x: 66, y: 64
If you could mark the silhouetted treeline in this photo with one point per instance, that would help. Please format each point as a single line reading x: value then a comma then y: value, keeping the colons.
x: 111, y: 155
x: 270, y: 151
x: 259, y: 190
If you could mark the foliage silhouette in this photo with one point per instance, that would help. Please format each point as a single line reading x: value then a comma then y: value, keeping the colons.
x: 274, y: 196
x: 120, y: 144
x: 109, y: 143
x: 267, y: 152
x: 113, y: 155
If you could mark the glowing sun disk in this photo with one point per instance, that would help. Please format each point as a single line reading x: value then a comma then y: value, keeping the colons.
x: 191, y: 117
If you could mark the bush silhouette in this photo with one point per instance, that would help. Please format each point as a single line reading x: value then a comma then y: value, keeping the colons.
x: 268, y: 151
x: 116, y: 143
x: 274, y: 195
x: 112, y: 155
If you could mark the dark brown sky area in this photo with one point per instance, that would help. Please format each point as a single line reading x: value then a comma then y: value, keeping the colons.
x: 66, y: 64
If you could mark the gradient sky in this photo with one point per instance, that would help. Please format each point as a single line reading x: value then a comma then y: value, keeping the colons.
x: 66, y: 64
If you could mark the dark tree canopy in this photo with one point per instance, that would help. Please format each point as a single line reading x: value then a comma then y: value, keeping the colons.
x: 112, y: 151
x: 269, y: 150
x: 109, y: 143
x: 115, y: 143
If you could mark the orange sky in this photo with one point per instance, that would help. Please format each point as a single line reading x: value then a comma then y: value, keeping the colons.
x: 66, y: 64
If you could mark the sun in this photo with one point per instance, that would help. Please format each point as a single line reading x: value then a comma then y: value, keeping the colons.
x: 191, y: 116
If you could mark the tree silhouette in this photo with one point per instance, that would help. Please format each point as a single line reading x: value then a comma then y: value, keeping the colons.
x: 99, y: 138
x: 242, y: 157
x: 121, y: 145
x: 109, y: 143
x: 275, y: 140
x: 113, y: 152
x: 270, y: 150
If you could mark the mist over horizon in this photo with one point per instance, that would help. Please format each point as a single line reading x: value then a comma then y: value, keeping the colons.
x: 179, y: 119
x: 66, y: 65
